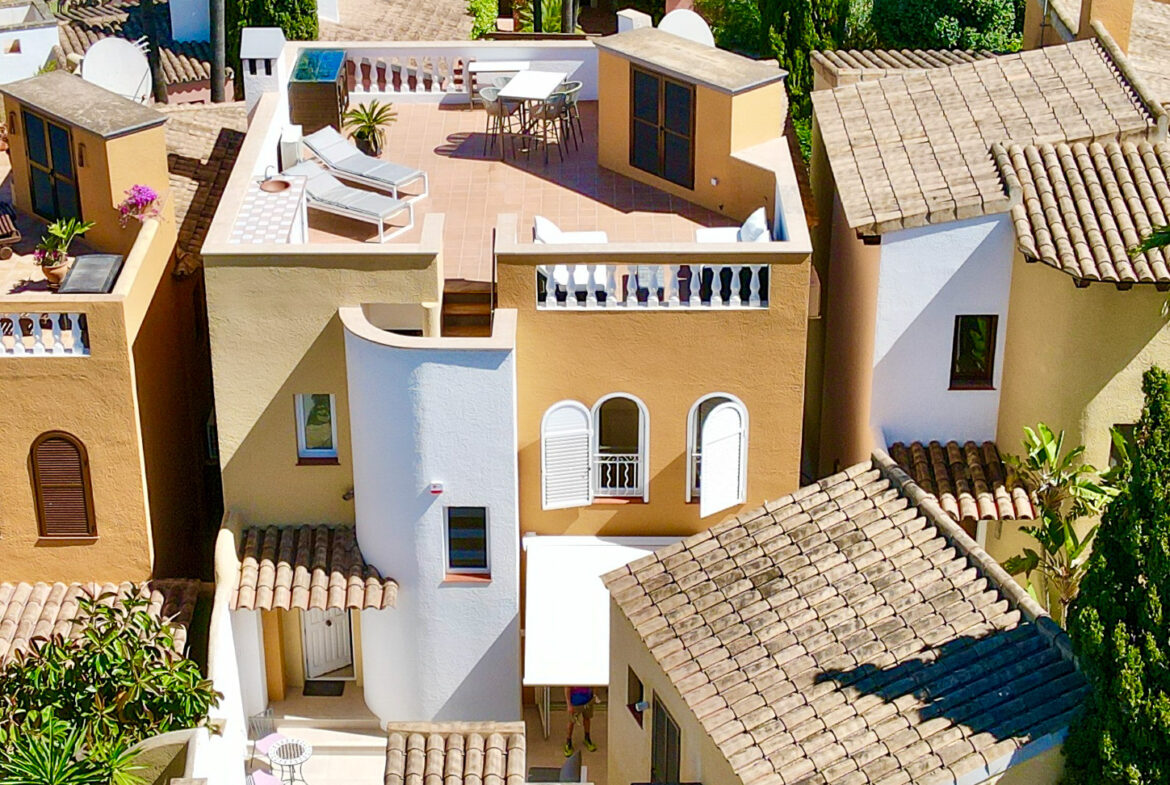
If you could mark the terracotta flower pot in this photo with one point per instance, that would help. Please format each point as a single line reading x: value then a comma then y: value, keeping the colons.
x: 55, y: 275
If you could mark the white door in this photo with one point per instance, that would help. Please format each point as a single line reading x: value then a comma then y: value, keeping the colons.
x: 327, y: 642
x: 566, y: 441
x: 722, y: 458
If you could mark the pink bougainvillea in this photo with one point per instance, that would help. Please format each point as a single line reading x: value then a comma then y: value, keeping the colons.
x: 141, y: 202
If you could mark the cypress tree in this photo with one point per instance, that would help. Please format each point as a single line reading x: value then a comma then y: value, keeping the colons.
x: 1117, y: 623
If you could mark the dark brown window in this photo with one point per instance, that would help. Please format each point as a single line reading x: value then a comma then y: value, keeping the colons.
x: 60, y: 475
x: 52, y: 179
x: 973, y: 353
x: 634, y: 695
x: 662, y: 127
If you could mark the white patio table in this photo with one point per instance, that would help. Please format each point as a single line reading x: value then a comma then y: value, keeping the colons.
x: 531, y: 86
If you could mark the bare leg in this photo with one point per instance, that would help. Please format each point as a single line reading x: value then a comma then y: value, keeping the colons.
x: 585, y: 722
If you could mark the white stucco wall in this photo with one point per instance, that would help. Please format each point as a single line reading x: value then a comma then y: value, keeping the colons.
x: 928, y: 276
x: 35, y: 43
x: 450, y: 650
x: 249, y: 640
x: 220, y: 757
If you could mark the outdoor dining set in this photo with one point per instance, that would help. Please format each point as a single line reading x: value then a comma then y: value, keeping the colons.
x: 531, y: 105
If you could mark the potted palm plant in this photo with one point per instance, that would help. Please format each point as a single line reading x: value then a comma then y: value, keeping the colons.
x: 367, y: 125
x: 52, y: 252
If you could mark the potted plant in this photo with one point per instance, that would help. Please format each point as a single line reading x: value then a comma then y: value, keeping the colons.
x: 367, y: 125
x: 52, y: 252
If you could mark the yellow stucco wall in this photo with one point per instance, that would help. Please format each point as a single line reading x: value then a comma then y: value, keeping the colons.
x: 628, y: 756
x: 275, y: 333
x: 727, y: 124
x: 1096, y: 341
x: 1044, y: 769
x: 669, y: 360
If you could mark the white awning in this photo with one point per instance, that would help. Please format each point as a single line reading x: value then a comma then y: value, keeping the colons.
x: 566, y: 617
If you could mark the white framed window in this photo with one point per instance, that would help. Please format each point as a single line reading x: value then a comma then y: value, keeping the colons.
x: 467, y: 541
x: 621, y: 447
x: 316, y: 427
x: 717, y: 437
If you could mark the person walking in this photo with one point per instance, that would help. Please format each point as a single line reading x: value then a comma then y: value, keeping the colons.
x: 579, y: 701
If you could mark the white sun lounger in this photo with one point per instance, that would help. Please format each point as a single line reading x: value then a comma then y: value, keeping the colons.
x: 349, y: 163
x: 325, y: 192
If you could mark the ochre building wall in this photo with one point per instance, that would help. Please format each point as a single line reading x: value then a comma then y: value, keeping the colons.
x: 669, y: 360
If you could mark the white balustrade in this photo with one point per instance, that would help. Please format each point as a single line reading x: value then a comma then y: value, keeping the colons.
x: 651, y: 286
x: 43, y: 335
x: 617, y: 475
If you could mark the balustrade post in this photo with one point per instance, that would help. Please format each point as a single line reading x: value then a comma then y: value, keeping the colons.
x: 754, y: 292
x: 58, y: 344
x: 735, y: 296
x: 571, y: 286
x: 38, y: 335
x: 611, y: 295
x: 696, y: 283
x: 675, y: 284
x: 632, y: 283
x: 652, y: 299
x: 591, y: 286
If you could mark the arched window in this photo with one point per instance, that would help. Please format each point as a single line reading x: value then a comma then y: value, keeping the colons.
x: 61, y: 486
x: 621, y: 446
x: 717, y: 434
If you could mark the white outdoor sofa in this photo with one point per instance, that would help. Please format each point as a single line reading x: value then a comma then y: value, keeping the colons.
x: 754, y: 230
x: 325, y: 192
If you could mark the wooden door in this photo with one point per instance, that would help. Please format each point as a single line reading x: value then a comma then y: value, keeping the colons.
x: 326, y: 640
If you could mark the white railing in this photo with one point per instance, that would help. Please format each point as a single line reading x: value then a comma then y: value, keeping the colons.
x: 434, y: 70
x: 629, y: 286
x: 43, y: 335
x: 617, y: 475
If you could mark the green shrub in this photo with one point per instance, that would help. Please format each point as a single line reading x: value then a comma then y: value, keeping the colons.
x: 483, y: 16
x: 949, y: 24
x: 1119, y: 624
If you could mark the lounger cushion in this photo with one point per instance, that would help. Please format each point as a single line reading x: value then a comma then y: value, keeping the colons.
x: 339, y: 153
x: 547, y: 232
x: 755, y: 228
x: 323, y: 188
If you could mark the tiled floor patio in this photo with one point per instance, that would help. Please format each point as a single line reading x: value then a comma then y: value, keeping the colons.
x: 472, y: 188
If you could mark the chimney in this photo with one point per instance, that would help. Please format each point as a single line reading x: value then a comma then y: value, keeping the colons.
x: 1115, y: 15
x: 260, y: 49
x: 630, y: 19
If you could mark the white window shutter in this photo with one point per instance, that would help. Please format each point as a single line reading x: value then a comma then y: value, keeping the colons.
x: 566, y: 441
x: 722, y: 455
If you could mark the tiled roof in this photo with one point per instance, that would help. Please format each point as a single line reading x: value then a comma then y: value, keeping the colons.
x: 914, y: 148
x: 454, y: 753
x: 310, y: 568
x: 1081, y: 207
x: 851, y: 65
x: 851, y: 633
x: 30, y: 611
x: 182, y: 61
x: 203, y: 141
x: 969, y: 481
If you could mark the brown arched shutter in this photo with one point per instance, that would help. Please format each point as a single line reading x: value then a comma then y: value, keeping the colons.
x: 60, y: 473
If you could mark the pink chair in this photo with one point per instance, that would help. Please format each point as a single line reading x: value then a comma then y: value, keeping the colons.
x: 262, y: 746
x: 262, y: 777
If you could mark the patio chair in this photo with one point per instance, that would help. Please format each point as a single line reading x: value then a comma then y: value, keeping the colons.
x: 754, y: 230
x: 9, y: 234
x: 549, y: 118
x: 572, y: 116
x: 261, y: 777
x: 326, y: 193
x: 346, y: 161
x: 571, y: 771
x: 499, y: 119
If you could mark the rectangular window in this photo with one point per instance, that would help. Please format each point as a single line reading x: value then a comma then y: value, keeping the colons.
x: 662, y: 127
x: 665, y: 747
x: 973, y: 352
x: 52, y: 179
x: 467, y: 552
x: 316, y: 428
x: 634, y: 695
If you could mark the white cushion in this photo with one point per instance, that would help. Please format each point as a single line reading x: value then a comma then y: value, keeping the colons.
x: 755, y: 228
x: 545, y: 231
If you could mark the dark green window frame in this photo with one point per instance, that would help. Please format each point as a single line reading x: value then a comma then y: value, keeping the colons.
x: 973, y: 352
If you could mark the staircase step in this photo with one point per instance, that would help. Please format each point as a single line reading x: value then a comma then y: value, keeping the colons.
x: 467, y: 309
x: 467, y: 331
x: 461, y: 298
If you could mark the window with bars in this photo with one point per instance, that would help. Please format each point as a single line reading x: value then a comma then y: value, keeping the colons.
x: 61, y: 486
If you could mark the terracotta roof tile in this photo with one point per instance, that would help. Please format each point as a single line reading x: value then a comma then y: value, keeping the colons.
x: 31, y: 611
x: 914, y: 147
x: 872, y: 641
x: 203, y: 141
x: 1081, y: 207
x: 183, y: 62
x: 454, y: 753
x: 310, y: 568
x: 970, y: 480
x: 845, y: 66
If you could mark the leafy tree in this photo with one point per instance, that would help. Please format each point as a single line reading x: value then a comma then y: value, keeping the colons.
x: 1159, y: 237
x: 793, y: 29
x: 1118, y: 625
x: 119, y: 682
x: 1066, y: 490
x: 949, y: 24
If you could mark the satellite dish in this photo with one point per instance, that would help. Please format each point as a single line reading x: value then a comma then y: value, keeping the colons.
x: 685, y: 23
x: 119, y: 66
